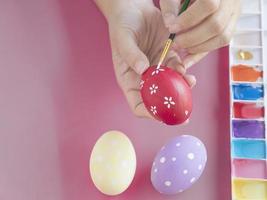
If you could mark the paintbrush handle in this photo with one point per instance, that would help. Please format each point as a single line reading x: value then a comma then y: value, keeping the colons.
x: 172, y: 35
x: 183, y: 8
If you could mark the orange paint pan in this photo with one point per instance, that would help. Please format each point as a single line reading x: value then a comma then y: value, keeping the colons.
x: 245, y: 73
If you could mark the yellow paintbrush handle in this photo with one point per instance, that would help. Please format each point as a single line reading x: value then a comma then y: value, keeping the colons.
x: 165, y: 51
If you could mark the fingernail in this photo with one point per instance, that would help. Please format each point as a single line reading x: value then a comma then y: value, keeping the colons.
x: 140, y: 67
x: 195, y: 81
x: 168, y: 19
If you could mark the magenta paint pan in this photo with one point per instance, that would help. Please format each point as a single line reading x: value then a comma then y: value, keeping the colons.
x: 248, y: 168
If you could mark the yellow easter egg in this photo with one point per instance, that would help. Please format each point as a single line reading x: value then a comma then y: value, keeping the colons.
x: 112, y: 163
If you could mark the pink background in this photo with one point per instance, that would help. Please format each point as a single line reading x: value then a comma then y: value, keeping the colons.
x: 59, y: 94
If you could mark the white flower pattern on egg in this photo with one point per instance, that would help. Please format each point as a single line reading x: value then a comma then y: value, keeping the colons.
x: 153, y: 89
x: 142, y: 84
x: 163, y: 82
x: 153, y: 109
x: 168, y: 101
x: 157, y: 70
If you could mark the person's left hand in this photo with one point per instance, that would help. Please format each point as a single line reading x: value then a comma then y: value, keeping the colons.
x: 138, y: 35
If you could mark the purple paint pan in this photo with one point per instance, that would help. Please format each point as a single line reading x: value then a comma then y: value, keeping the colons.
x: 248, y: 129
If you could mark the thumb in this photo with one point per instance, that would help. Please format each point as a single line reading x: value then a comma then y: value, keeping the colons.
x: 131, y: 53
x: 169, y: 10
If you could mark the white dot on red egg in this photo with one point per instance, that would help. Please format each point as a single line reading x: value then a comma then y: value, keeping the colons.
x: 168, y: 183
x: 162, y: 159
x: 190, y: 156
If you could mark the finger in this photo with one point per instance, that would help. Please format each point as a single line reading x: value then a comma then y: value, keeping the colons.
x: 174, y: 61
x: 192, y: 59
x: 196, y: 13
x: 130, y: 52
x: 136, y: 104
x: 218, y: 41
x: 169, y: 10
x: 209, y: 28
x: 191, y: 80
x: 129, y: 82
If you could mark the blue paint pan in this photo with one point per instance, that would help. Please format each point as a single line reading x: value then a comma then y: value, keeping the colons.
x: 248, y: 91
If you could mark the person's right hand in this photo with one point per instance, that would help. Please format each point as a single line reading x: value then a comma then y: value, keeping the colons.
x: 205, y: 25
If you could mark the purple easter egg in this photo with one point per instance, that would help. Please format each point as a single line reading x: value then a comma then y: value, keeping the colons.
x: 178, y: 165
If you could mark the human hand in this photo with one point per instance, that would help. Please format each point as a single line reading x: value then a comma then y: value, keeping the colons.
x: 138, y: 35
x: 206, y: 25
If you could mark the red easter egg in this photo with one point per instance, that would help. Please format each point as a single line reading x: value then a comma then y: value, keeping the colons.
x: 166, y: 95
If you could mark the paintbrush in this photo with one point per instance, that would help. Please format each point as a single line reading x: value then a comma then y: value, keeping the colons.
x: 172, y: 36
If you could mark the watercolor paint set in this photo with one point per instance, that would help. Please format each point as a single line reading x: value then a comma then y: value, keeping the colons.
x: 248, y: 83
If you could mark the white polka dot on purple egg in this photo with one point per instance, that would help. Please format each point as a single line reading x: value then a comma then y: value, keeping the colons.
x: 190, y: 156
x: 162, y: 160
x: 192, y: 179
x: 176, y: 169
x: 168, y: 183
